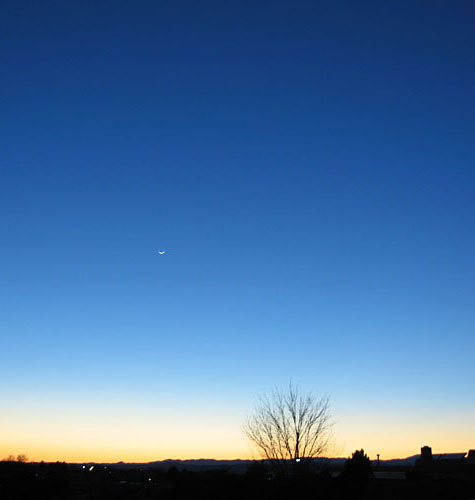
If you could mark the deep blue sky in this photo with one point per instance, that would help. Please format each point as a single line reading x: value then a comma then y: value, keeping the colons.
x: 308, y: 168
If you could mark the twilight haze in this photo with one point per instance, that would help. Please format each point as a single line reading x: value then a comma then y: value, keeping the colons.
x: 308, y: 170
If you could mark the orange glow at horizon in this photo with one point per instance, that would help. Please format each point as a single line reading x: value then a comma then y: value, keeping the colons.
x: 114, y: 434
x: 220, y: 445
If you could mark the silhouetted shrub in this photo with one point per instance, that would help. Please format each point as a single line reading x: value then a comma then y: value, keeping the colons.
x: 356, y: 474
x: 358, y: 467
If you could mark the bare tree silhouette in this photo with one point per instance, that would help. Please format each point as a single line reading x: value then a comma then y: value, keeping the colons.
x: 290, y: 429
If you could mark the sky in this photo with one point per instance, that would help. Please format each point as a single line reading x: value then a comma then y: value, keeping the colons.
x: 308, y: 168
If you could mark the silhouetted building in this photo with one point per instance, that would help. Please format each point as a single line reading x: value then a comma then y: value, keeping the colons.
x: 426, y: 453
x: 452, y: 466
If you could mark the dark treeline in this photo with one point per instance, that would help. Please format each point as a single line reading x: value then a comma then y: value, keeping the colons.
x: 61, y: 481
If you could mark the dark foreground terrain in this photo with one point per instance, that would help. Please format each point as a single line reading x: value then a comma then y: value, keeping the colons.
x: 61, y: 481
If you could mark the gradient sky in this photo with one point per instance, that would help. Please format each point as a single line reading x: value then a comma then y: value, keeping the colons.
x: 309, y: 169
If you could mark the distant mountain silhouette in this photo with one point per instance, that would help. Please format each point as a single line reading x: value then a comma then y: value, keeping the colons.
x: 396, y: 462
x: 237, y: 465
x: 410, y: 461
x: 240, y: 466
x: 200, y: 464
